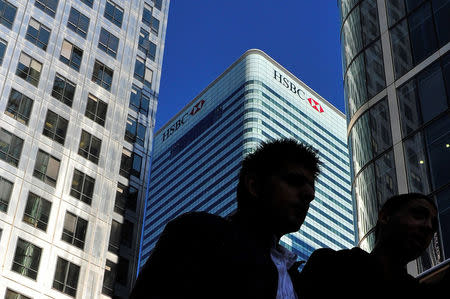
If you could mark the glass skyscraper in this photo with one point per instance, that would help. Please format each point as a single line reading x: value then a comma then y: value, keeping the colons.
x: 197, y: 154
x: 78, y: 91
x: 396, y: 65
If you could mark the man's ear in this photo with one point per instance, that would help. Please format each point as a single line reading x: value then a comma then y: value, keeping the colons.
x: 251, y: 185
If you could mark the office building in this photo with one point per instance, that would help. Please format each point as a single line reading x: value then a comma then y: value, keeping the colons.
x: 396, y: 66
x: 78, y: 90
x: 197, y: 155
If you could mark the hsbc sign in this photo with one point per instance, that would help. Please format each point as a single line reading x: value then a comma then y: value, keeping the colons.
x: 183, y: 119
x: 298, y: 91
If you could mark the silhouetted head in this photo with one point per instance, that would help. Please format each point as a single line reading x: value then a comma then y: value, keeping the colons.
x: 406, y: 224
x: 277, y: 181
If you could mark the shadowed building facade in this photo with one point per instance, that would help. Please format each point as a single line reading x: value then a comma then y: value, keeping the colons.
x: 396, y: 66
x: 197, y: 154
x: 79, y: 85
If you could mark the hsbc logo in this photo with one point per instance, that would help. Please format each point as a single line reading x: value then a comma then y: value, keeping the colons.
x: 182, y: 120
x: 315, y: 105
x: 197, y: 107
x: 298, y: 91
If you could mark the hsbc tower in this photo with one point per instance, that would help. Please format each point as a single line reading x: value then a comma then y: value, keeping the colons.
x: 197, y: 154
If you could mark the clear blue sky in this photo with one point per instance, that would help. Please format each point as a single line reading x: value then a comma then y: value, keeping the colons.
x: 204, y: 37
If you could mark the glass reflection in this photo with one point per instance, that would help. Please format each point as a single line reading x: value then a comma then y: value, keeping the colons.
x: 361, y: 143
x: 443, y: 203
x: 386, y: 177
x: 369, y: 21
x: 352, y: 35
x: 380, y: 127
x: 401, y: 50
x: 374, y: 69
x: 416, y: 164
x: 408, y: 106
x: 366, y: 203
x: 438, y: 146
x: 395, y: 11
x: 355, y: 85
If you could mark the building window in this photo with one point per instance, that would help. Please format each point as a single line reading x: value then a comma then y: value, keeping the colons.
x: 108, y: 42
x: 37, y: 211
x: 55, y: 127
x: 66, y: 277
x: 48, y: 6
x: 5, y: 193
x: 102, y: 75
x: 114, y: 13
x: 38, y: 34
x: 143, y: 73
x: 96, y: 110
x: 127, y: 233
x: 158, y: 4
x: 126, y: 198
x: 130, y: 164
x: 7, y: 13
x: 10, y: 294
x: 89, y: 147
x: 138, y: 101
x: 46, y: 168
x: 135, y: 132
x: 74, y: 231
x: 82, y: 187
x: 71, y: 55
x: 19, y: 106
x: 149, y: 19
x: 109, y: 278
x: 29, y: 69
x: 88, y: 2
x: 114, y: 237
x: 63, y: 90
x: 10, y: 147
x: 146, y: 46
x: 3, y: 46
x: 26, y: 259
x: 78, y: 22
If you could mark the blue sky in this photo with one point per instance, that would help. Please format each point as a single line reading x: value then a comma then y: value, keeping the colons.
x: 204, y: 37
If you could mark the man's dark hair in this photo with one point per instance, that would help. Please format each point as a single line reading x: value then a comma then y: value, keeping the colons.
x: 396, y: 202
x: 269, y: 157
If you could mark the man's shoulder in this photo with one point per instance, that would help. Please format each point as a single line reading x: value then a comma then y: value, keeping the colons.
x: 328, y: 256
x: 200, y: 221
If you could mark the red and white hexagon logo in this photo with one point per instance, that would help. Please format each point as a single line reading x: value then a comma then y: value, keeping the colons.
x: 315, y: 105
x: 197, y: 107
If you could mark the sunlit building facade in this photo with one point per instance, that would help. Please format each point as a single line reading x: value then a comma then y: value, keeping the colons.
x: 396, y: 66
x: 78, y: 90
x: 197, y: 154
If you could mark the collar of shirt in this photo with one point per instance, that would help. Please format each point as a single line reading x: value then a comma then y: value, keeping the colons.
x: 283, y: 260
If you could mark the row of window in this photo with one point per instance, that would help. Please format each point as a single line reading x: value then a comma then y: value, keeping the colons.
x: 39, y: 34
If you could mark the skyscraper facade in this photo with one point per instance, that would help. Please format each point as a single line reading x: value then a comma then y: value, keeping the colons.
x: 197, y: 154
x: 78, y: 90
x: 396, y: 65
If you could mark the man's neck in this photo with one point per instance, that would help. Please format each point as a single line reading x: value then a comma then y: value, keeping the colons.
x: 392, y: 263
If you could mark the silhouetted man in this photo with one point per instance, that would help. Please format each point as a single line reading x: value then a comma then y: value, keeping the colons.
x: 406, y: 224
x: 200, y: 255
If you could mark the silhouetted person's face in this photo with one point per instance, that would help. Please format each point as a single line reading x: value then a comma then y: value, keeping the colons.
x: 287, y: 194
x: 411, y: 228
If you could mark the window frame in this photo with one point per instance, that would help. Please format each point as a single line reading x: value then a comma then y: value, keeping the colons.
x: 111, y: 39
x: 52, y: 129
x: 43, y: 174
x: 24, y: 268
x: 112, y: 18
x: 45, y: 7
x: 27, y: 72
x: 23, y: 105
x: 5, y: 22
x: 76, y: 236
x: 16, y: 142
x: 5, y: 194
x: 88, y: 152
x: 82, y: 195
x: 81, y: 25
x: 72, y: 61
x: 95, y: 116
x: 38, y: 220
x: 63, y: 286
x: 64, y: 95
x: 42, y: 44
x: 99, y: 78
